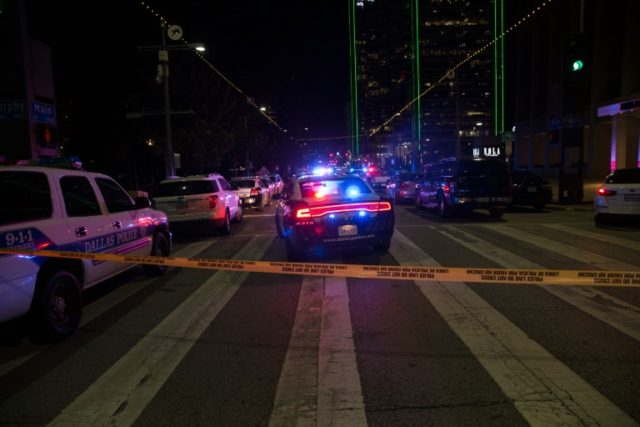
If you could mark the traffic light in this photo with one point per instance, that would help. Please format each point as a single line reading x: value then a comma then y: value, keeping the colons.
x: 575, y: 52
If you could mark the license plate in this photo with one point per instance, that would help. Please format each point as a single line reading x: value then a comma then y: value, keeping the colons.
x: 632, y: 197
x: 347, y: 230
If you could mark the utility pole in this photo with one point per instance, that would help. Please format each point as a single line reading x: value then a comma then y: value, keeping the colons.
x: 163, y: 57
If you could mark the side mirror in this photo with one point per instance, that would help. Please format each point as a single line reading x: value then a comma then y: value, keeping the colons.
x: 142, y: 202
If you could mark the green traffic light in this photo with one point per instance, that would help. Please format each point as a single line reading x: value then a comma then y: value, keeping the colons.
x: 577, y: 65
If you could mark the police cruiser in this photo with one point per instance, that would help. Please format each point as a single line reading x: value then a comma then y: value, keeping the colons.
x: 69, y: 210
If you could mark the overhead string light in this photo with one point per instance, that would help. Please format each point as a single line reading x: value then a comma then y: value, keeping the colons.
x: 235, y: 87
x: 459, y: 64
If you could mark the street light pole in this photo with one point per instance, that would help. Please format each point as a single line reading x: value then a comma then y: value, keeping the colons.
x: 163, y: 56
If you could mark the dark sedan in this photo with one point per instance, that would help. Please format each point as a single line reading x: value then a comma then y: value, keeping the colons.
x: 317, y: 213
x: 529, y: 189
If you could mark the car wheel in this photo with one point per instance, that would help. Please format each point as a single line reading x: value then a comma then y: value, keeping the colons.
x: 279, y: 228
x: 57, y: 308
x: 496, y: 212
x: 239, y: 215
x: 382, y: 246
x: 225, y: 230
x: 159, y: 247
x: 294, y: 253
x: 444, y: 210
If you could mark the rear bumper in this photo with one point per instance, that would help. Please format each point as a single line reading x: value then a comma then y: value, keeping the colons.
x: 482, y: 202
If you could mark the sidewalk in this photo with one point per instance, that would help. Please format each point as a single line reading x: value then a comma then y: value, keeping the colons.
x: 590, y: 187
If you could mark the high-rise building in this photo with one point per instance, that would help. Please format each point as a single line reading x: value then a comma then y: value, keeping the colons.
x: 407, y: 48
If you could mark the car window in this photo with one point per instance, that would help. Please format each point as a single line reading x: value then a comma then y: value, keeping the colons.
x: 186, y: 188
x: 245, y: 183
x: 79, y: 197
x: 624, y: 176
x: 334, y: 188
x: 224, y: 185
x: 116, y: 199
x: 25, y: 196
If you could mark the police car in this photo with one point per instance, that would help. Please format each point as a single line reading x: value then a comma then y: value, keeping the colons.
x: 71, y: 210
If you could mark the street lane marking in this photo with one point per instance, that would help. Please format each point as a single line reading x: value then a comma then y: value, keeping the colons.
x: 573, y: 252
x: 103, y: 304
x: 607, y: 308
x: 626, y: 243
x: 319, y: 383
x: 120, y: 395
x: 543, y: 389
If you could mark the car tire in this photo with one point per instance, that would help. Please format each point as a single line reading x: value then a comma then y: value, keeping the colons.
x: 496, y: 212
x: 239, y: 215
x: 57, y: 307
x: 159, y: 247
x: 279, y: 228
x: 444, y: 210
x: 225, y: 229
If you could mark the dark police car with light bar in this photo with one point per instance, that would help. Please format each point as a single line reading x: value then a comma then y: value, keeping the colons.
x: 317, y: 213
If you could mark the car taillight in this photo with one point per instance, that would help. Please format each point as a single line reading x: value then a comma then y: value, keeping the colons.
x: 213, y: 202
x: 606, y: 192
x: 319, y: 211
x: 255, y: 191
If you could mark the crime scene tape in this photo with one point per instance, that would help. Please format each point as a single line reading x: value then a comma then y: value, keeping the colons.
x: 389, y: 272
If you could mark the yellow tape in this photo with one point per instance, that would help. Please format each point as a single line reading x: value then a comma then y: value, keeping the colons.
x: 438, y: 274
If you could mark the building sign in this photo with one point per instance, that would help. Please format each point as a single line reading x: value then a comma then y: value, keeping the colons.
x: 44, y: 113
x: 487, y: 151
x: 12, y: 110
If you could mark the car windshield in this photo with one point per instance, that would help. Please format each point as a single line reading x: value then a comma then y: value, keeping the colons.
x: 186, y: 188
x: 624, y: 176
x: 334, y: 187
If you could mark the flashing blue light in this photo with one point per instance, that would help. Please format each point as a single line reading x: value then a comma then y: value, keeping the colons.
x: 365, y: 169
x: 353, y: 191
x: 332, y: 216
x: 362, y: 214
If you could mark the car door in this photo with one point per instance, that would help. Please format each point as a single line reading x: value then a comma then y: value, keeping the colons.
x: 130, y: 226
x: 230, y: 196
x: 90, y: 229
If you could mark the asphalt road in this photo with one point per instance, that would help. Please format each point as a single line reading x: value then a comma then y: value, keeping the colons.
x: 196, y: 347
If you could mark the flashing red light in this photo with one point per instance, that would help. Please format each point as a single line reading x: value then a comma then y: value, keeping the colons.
x: 372, y: 169
x: 446, y: 188
x: 606, y: 192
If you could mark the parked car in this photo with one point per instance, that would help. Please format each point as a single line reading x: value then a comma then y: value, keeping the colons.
x: 460, y: 186
x: 270, y: 185
x: 402, y: 187
x: 252, y: 191
x: 618, y: 196
x: 318, y: 213
x: 529, y: 189
x: 68, y: 210
x: 279, y: 183
x: 199, y: 200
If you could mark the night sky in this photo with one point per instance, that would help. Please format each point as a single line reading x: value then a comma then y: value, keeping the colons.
x: 289, y: 55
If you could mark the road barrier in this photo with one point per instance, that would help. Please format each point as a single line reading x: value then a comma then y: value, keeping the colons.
x: 389, y: 272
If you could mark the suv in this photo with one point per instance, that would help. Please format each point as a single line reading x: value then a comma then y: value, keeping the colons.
x: 67, y: 210
x: 206, y: 200
x: 464, y: 185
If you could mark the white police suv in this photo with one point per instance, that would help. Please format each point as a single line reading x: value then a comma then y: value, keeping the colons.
x: 70, y: 210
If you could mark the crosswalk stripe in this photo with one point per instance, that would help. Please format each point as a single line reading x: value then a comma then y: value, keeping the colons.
x: 319, y: 383
x: 587, y: 257
x: 543, y: 389
x: 104, y: 304
x: 596, y: 236
x: 120, y: 395
x: 604, y: 307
